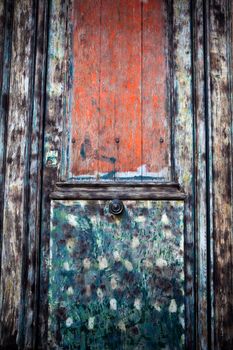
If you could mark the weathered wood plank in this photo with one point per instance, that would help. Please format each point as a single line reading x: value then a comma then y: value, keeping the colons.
x: 201, y: 186
x: 16, y: 173
x: 120, y: 191
x: 183, y: 145
x: 86, y: 86
x: 5, y: 55
x: 156, y: 119
x: 57, y: 105
x: 31, y: 282
x: 128, y: 87
x: 221, y: 120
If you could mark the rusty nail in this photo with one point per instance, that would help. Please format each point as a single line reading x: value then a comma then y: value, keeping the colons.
x: 117, y: 140
x: 161, y: 140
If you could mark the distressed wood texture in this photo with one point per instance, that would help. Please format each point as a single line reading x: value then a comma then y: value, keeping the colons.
x: 220, y: 46
x: 121, y: 190
x: 58, y: 107
x: 5, y: 53
x: 183, y: 151
x: 55, y: 134
x: 16, y: 191
x: 120, y: 122
x: 21, y: 109
x: 32, y: 261
x: 201, y: 188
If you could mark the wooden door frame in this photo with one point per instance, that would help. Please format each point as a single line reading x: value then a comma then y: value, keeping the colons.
x: 198, y: 151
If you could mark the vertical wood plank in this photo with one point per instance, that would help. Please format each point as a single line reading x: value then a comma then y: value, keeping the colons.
x: 16, y: 172
x: 221, y: 119
x: 107, y: 147
x: 86, y: 89
x: 31, y: 282
x: 128, y: 87
x: 183, y: 145
x: 57, y: 106
x: 155, y: 108
x: 6, y: 12
x: 201, y: 187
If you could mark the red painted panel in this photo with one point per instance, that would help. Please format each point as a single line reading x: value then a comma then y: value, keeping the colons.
x: 119, y: 106
x: 85, y: 109
x: 155, y: 122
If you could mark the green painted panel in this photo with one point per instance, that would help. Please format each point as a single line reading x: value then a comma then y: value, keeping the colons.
x: 116, y: 282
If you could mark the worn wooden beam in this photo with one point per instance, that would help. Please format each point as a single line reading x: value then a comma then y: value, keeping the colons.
x: 58, y: 85
x: 200, y: 171
x: 15, y: 210
x: 220, y: 46
x: 6, y: 12
x: 183, y: 156
x: 124, y: 191
x: 31, y: 281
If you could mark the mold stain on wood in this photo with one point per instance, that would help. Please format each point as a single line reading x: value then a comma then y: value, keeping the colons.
x: 116, y: 282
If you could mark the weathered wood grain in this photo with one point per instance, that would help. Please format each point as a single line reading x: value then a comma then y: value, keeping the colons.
x: 57, y: 106
x: 120, y: 125
x: 200, y: 172
x: 183, y: 145
x: 16, y: 173
x: 220, y: 47
x: 5, y: 54
x: 31, y: 281
x: 127, y: 191
x: 156, y: 118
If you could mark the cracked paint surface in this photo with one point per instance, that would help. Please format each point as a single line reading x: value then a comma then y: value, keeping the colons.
x: 116, y: 282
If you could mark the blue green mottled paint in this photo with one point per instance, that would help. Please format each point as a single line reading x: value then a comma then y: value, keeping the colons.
x: 116, y: 282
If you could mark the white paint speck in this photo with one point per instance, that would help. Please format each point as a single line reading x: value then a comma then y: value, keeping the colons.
x: 70, y: 291
x: 161, y: 263
x: 137, y: 304
x: 113, y: 304
x: 128, y: 265
x: 157, y: 306
x: 116, y: 256
x: 165, y: 219
x: 113, y: 283
x: 168, y: 233
x: 69, y: 322
x: 86, y: 263
x: 70, y: 244
x: 121, y: 326
x: 66, y: 266
x: 140, y: 219
x: 72, y: 220
x: 135, y: 243
x: 91, y: 323
x: 148, y: 264
x: 103, y: 262
x: 173, y: 306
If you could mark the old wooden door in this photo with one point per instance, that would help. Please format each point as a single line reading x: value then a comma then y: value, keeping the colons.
x: 117, y: 147
x: 116, y: 174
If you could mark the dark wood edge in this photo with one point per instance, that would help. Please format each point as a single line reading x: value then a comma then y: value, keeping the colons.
x: 91, y: 184
x: 169, y: 191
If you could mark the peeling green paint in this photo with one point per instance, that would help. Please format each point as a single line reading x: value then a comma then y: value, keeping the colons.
x: 116, y: 282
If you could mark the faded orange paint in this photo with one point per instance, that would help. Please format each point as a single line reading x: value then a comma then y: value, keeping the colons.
x: 119, y: 95
x: 155, y: 121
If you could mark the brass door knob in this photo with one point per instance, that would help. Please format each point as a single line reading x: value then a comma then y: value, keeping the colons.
x: 116, y: 207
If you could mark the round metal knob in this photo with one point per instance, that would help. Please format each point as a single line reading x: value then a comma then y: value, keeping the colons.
x: 116, y: 207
